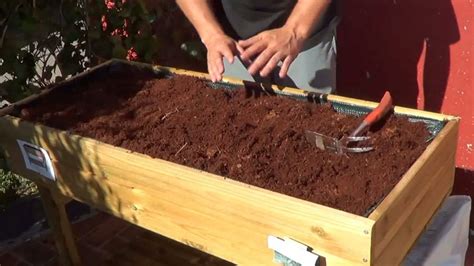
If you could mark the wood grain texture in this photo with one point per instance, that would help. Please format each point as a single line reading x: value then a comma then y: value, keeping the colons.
x: 220, y: 216
x: 413, y: 201
x: 54, y: 207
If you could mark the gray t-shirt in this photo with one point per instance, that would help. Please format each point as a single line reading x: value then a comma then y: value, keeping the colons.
x: 245, y: 18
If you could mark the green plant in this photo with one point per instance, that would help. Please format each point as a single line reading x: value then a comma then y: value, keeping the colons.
x: 124, y: 30
x: 36, y: 36
x: 13, y: 186
x: 44, y: 41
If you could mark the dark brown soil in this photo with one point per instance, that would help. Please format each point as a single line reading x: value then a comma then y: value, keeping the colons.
x: 256, y: 140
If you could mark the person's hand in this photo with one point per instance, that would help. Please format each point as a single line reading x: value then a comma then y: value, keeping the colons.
x: 269, y: 48
x: 220, y: 46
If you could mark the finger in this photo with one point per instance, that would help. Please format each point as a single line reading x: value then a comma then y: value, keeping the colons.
x: 210, y: 69
x: 271, y: 64
x: 218, y: 74
x: 228, y: 54
x: 253, y: 50
x: 240, y: 49
x: 214, y: 73
x: 249, y: 41
x: 285, y: 66
x: 260, y: 62
x: 211, y: 72
x: 219, y: 65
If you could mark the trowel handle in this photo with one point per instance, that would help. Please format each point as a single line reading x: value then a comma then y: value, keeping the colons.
x: 375, y: 115
x: 381, y: 110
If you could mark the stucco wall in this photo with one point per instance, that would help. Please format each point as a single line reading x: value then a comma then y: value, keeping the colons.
x: 419, y: 50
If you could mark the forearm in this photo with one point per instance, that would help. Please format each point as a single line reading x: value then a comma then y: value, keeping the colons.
x: 202, y: 17
x: 305, y: 17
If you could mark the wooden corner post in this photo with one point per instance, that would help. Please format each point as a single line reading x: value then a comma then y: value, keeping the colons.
x: 54, y: 207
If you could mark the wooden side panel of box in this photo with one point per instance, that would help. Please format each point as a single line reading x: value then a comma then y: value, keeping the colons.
x: 406, y: 211
x: 223, y: 217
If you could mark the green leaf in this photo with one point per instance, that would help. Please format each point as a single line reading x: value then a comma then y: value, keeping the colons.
x: 143, y: 6
x: 58, y: 79
x: 119, y: 51
x: 102, y: 48
x: 48, y: 72
x: 14, y: 89
x: 71, y: 34
x: 116, y: 40
x: 28, y: 24
x: 23, y: 69
x: 94, y: 34
x: 8, y: 61
x: 126, y: 12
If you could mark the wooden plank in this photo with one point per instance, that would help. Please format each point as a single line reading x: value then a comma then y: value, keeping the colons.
x: 58, y: 221
x: 401, y: 243
x: 220, y: 216
x: 435, y: 165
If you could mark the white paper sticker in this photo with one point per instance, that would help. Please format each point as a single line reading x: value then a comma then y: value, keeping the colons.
x: 37, y: 159
x: 290, y: 252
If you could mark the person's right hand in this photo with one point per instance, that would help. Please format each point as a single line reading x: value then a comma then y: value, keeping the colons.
x: 220, y: 46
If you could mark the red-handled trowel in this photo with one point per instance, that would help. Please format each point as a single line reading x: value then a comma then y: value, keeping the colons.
x: 341, y: 146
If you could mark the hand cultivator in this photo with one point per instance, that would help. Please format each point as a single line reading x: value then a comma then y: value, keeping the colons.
x: 343, y: 145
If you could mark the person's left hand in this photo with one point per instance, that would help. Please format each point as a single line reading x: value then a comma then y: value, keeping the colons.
x: 270, y: 47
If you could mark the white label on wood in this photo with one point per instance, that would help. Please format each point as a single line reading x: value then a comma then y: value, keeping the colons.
x: 290, y: 252
x: 37, y: 159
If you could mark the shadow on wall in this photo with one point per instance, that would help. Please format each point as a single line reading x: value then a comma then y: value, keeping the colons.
x: 380, y: 44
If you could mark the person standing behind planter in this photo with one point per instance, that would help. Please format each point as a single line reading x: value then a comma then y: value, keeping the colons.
x: 285, y: 42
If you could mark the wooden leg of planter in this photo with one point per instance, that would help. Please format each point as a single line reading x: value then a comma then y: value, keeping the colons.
x: 58, y: 221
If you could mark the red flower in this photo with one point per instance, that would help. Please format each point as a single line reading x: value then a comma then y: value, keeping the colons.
x: 132, y: 54
x: 103, y: 20
x: 125, y: 26
x: 116, y: 32
x: 110, y: 4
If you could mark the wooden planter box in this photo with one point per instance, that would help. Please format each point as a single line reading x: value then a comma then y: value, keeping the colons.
x: 229, y: 219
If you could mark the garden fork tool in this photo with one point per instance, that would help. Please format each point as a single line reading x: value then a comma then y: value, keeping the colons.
x: 341, y: 146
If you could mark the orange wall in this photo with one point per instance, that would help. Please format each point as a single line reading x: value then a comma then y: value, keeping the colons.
x: 420, y: 50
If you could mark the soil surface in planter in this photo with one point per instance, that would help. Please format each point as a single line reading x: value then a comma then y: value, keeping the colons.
x: 256, y: 139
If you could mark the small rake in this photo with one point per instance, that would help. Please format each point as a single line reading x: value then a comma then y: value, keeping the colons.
x: 341, y: 146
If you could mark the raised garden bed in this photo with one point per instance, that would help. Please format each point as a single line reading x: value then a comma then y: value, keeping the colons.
x: 378, y: 201
x: 256, y: 140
